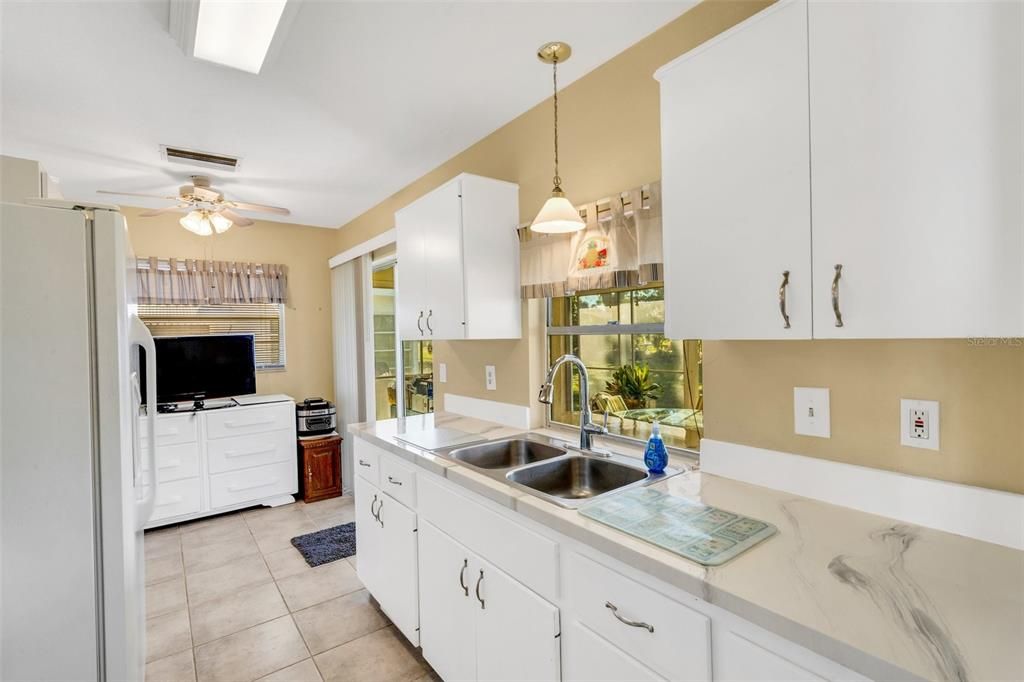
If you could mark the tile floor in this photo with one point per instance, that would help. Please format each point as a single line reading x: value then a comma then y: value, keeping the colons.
x: 228, y: 598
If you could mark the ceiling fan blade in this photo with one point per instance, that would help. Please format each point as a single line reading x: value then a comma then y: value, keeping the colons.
x: 136, y: 194
x: 258, y: 207
x: 237, y: 219
x: 157, y: 211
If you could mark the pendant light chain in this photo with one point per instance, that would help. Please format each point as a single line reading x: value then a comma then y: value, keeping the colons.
x: 554, y: 79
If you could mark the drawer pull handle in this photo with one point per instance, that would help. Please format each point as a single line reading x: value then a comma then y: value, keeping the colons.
x: 419, y: 323
x: 393, y: 481
x: 631, y: 623
x: 429, y: 328
x: 462, y: 577
x: 478, y: 581
x: 171, y: 500
x: 242, y: 425
x: 364, y: 463
x: 782, y: 298
x: 835, y: 294
x: 170, y: 465
x: 249, y: 453
x: 240, y: 488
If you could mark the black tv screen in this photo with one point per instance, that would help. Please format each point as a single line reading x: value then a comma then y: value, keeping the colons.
x: 190, y: 367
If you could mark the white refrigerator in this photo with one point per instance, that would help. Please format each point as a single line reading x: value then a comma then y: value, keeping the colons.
x: 72, y: 500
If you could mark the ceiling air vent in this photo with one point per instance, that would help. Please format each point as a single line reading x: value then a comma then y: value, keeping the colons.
x: 194, y: 157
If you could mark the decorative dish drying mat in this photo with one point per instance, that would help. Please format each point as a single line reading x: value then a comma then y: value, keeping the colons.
x: 707, y: 535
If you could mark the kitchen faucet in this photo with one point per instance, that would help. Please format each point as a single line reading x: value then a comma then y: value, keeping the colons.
x: 547, y: 391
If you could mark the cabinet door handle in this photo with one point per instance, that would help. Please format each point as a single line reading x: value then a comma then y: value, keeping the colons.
x: 631, y: 623
x: 835, y: 294
x: 462, y: 577
x: 363, y: 463
x: 430, y: 314
x: 782, y: 298
x: 309, y: 473
x: 379, y: 507
x: 393, y: 481
x: 373, y: 502
x: 478, y: 581
x: 419, y: 323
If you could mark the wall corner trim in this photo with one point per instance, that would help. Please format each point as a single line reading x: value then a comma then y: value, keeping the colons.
x: 992, y: 516
x: 506, y: 414
x: 381, y: 240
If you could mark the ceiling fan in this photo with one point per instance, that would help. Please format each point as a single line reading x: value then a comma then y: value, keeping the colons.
x: 209, y: 211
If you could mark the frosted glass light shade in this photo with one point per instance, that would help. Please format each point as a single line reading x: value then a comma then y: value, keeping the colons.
x: 558, y: 216
x: 220, y: 223
x: 197, y: 223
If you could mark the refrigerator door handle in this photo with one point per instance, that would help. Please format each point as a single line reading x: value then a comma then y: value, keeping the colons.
x: 139, y: 335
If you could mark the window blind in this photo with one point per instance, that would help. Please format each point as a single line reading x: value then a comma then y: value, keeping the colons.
x: 265, y: 321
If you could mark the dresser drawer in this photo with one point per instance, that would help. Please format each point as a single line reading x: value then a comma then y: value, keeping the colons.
x: 679, y: 647
x: 248, y: 420
x: 235, y: 487
x: 398, y: 480
x: 367, y: 462
x: 176, y: 498
x: 242, y: 452
x: 171, y: 429
x: 173, y: 462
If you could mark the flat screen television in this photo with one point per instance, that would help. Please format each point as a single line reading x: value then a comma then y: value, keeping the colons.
x: 202, y: 367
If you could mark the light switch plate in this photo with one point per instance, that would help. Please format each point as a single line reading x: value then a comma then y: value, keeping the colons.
x: 919, y: 424
x: 811, y: 415
x: 491, y: 379
x: 442, y: 372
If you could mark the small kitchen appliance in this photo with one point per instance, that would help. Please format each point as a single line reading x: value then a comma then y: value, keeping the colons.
x: 315, y: 417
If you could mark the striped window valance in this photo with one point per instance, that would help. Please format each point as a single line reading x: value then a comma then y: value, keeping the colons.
x: 187, y: 281
x: 619, y: 247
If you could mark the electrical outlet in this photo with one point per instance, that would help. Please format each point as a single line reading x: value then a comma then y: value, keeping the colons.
x: 811, y: 412
x: 490, y: 378
x: 442, y: 372
x: 919, y: 424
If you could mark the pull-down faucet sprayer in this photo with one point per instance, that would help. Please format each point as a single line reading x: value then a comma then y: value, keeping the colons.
x: 547, y: 390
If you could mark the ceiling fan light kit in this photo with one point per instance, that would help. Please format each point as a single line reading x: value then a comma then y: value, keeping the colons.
x: 558, y: 215
x: 209, y: 212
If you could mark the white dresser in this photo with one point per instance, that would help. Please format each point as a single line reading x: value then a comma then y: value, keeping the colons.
x: 219, y: 460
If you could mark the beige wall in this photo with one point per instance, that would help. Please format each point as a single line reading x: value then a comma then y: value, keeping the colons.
x: 308, y: 371
x: 610, y: 142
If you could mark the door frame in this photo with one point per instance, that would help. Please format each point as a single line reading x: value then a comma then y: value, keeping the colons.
x: 369, y: 363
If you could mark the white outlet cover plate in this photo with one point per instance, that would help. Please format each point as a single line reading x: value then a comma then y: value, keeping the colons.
x: 490, y: 378
x: 442, y: 372
x: 811, y: 413
x: 929, y: 406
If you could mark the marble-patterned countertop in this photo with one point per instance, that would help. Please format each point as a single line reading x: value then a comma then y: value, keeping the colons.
x: 884, y: 598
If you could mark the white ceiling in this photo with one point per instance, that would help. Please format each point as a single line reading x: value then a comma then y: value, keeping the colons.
x: 357, y: 99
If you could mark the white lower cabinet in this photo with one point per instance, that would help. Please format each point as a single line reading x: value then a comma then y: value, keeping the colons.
x: 386, y: 556
x: 591, y: 658
x: 477, y: 623
x: 738, y: 658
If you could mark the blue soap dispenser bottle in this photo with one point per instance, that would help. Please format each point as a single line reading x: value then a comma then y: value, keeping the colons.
x: 655, y: 456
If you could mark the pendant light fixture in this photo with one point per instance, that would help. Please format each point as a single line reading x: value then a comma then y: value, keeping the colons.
x: 558, y: 215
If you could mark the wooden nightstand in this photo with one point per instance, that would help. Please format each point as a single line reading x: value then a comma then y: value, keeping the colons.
x: 320, y: 468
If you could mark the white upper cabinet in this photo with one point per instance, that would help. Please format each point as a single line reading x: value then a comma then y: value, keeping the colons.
x: 735, y: 169
x: 916, y: 142
x: 458, y: 262
x: 884, y: 137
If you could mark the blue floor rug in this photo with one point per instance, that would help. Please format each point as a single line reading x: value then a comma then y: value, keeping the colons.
x: 327, y: 545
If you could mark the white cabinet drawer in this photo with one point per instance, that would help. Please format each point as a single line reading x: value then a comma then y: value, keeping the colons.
x: 367, y: 462
x: 591, y: 658
x: 230, y: 454
x: 173, y: 462
x: 176, y: 498
x: 677, y: 640
x: 171, y: 429
x: 528, y: 557
x: 249, y: 420
x: 256, y: 483
x: 398, y: 480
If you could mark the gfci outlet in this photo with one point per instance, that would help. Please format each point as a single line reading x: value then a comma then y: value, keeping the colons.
x: 919, y: 424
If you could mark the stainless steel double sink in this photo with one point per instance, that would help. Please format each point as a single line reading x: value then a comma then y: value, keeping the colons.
x: 553, y: 471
